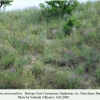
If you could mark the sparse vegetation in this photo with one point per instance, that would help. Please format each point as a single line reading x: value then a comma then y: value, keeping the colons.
x: 36, y: 53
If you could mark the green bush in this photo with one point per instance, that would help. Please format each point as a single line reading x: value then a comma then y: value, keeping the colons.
x: 70, y: 23
x: 60, y: 7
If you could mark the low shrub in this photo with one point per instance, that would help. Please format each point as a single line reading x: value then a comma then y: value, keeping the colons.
x: 70, y: 23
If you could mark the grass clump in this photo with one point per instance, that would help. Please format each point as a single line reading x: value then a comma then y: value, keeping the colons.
x: 37, y: 69
x: 65, y: 80
x: 7, y: 56
x: 61, y: 79
x: 10, y: 80
x: 91, y: 58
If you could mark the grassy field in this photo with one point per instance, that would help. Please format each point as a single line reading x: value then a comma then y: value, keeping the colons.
x: 34, y: 53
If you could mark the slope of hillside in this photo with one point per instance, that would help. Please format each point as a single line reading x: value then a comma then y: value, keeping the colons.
x: 34, y: 54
